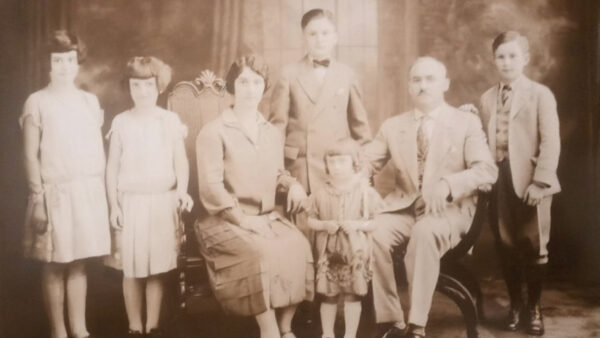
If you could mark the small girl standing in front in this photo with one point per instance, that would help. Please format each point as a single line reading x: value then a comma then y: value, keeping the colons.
x: 341, y: 214
x: 146, y: 178
x: 67, y: 215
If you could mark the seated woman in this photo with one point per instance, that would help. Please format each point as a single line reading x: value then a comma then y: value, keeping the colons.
x: 258, y: 262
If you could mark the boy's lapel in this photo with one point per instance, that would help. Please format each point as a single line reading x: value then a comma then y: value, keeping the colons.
x: 307, y: 80
x: 493, y: 109
x: 407, y: 134
x: 519, y: 97
x: 330, y: 87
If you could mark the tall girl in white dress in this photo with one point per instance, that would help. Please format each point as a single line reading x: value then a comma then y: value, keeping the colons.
x: 146, y: 178
x: 67, y: 215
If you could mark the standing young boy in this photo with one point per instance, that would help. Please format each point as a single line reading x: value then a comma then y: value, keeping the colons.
x: 317, y: 101
x: 523, y: 132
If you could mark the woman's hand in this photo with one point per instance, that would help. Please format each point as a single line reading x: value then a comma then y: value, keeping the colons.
x: 40, y: 217
x: 469, y: 108
x: 295, y: 198
x: 185, y: 201
x: 116, y: 218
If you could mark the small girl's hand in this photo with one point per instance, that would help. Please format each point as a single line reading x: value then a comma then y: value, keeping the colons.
x: 40, y: 218
x: 349, y: 226
x: 331, y: 227
x: 116, y: 218
x: 185, y: 201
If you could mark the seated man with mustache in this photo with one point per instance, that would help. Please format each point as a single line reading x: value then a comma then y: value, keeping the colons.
x: 440, y: 158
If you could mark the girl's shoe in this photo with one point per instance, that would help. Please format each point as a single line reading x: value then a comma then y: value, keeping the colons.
x: 155, y: 333
x: 134, y: 334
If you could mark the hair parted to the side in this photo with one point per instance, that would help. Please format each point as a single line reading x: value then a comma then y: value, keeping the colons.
x: 253, y: 62
x: 509, y: 36
x: 145, y: 67
x: 344, y: 146
x: 315, y: 14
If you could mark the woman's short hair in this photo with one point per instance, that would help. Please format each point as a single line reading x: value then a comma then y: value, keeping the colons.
x: 145, y: 67
x: 315, y: 14
x: 62, y: 41
x: 254, y: 62
x: 511, y: 36
x: 344, y: 146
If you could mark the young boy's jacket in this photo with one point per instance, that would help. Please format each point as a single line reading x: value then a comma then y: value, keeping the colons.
x: 533, y: 135
x: 313, y: 115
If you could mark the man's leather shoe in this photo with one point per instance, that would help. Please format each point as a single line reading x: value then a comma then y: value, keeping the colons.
x: 535, y: 324
x: 513, y: 320
x: 394, y: 332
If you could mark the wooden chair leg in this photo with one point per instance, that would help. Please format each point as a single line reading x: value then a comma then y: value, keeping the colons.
x: 456, y: 291
x: 461, y: 273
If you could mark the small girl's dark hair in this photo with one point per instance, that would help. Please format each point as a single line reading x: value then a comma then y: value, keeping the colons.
x: 145, y: 67
x: 511, y: 36
x: 315, y: 14
x: 254, y: 62
x: 345, y: 146
x: 62, y: 41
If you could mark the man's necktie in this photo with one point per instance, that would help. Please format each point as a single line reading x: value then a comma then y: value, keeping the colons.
x: 505, y: 94
x: 321, y: 63
x: 422, y: 147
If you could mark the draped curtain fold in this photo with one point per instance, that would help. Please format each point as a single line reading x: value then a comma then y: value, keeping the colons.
x: 43, y: 17
x: 237, y: 30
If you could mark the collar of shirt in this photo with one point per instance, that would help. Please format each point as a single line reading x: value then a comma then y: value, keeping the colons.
x: 513, y: 84
x: 429, y: 122
x: 433, y: 115
x: 230, y: 119
x: 311, y: 59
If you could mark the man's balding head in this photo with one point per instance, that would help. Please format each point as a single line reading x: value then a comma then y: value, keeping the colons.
x: 427, y: 83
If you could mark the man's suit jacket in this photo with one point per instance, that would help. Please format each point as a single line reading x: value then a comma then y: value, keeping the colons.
x: 313, y: 115
x: 458, y: 153
x: 533, y: 135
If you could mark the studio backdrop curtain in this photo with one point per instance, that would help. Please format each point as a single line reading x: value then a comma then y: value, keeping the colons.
x: 237, y: 30
x: 43, y: 17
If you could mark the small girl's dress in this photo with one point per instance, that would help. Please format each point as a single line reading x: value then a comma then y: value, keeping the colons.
x: 344, y: 260
x: 148, y: 244
x: 72, y: 164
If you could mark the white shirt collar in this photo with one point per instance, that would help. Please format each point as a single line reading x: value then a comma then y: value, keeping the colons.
x: 432, y: 114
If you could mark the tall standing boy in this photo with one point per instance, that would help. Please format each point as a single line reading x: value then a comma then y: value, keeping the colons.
x: 523, y: 132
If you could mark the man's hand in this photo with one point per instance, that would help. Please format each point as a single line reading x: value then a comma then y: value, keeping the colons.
x: 533, y: 194
x: 295, y: 198
x: 436, y: 202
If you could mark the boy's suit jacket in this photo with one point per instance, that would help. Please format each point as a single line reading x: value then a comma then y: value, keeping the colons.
x: 533, y: 135
x: 458, y: 153
x: 313, y: 115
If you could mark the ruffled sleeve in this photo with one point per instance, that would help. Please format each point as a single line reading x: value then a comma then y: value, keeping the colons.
x: 176, y: 128
x: 96, y: 110
x: 31, y: 112
x: 115, y: 127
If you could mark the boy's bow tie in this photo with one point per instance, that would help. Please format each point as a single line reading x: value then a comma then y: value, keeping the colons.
x: 321, y: 63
